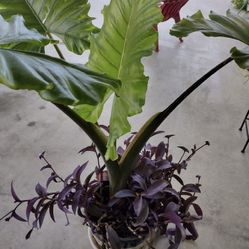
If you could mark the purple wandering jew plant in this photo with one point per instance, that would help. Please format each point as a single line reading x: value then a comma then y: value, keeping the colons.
x: 155, y: 199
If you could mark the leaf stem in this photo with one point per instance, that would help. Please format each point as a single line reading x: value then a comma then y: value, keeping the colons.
x: 56, y: 47
x: 127, y: 162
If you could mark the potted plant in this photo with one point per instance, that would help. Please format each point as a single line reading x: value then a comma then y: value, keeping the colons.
x: 130, y: 197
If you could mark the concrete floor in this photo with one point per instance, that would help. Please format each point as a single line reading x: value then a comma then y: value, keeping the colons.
x: 29, y: 125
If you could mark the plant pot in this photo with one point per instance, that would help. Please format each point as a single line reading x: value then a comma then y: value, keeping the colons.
x: 96, y: 243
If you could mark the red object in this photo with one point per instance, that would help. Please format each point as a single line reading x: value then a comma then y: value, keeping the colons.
x: 171, y: 9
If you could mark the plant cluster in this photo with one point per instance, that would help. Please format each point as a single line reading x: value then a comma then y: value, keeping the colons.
x: 155, y: 199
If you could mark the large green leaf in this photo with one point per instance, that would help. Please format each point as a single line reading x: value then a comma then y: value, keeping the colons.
x: 54, y: 79
x: 241, y: 57
x: 67, y: 19
x: 126, y: 36
x: 232, y: 25
x: 14, y: 32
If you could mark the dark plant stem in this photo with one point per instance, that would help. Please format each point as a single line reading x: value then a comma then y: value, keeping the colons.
x: 127, y: 161
x: 10, y: 212
x: 51, y: 167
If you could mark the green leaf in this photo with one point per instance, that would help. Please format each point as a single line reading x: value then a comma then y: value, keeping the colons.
x: 241, y: 57
x: 54, y: 79
x: 14, y: 32
x: 67, y: 19
x: 232, y: 25
x: 125, y: 38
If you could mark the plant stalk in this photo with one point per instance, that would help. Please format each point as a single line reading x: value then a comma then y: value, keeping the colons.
x: 127, y: 162
x: 98, y: 138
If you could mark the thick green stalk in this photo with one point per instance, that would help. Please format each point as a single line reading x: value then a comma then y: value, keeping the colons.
x: 128, y: 160
x: 98, y: 138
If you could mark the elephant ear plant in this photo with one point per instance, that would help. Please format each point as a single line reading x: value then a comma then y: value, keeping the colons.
x: 132, y: 192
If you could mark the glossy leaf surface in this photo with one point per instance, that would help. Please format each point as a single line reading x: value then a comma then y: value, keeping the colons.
x: 127, y: 36
x: 54, y: 79
x: 232, y: 26
x: 241, y: 57
x: 67, y: 19
x: 14, y: 32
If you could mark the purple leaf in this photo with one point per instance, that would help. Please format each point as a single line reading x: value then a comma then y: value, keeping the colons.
x: 50, y: 179
x: 183, y: 148
x: 179, y: 179
x: 29, y: 234
x: 88, y: 148
x: 18, y: 217
x: 76, y: 200
x: 149, y: 163
x: 193, y: 188
x: 157, y: 132
x: 65, y: 191
x: 88, y: 179
x: 128, y: 140
x: 138, y: 204
x: 105, y: 128
x: 40, y: 190
x: 34, y: 225
x: 164, y: 164
x: 48, y: 166
x: 197, y: 209
x: 172, y: 192
x: 78, y: 171
x: 113, y: 238
x: 160, y: 151
x: 143, y: 214
x: 62, y: 208
x: 191, y: 228
x: 172, y: 207
x: 187, y: 203
x: 144, y: 170
x: 169, y: 136
x: 155, y: 188
x: 173, y: 217
x: 43, y: 213
x: 13, y: 193
x: 120, y: 151
x: 180, y: 235
x: 51, y: 211
x: 124, y: 193
x: 140, y: 180
x: 30, y: 206
x: 68, y: 178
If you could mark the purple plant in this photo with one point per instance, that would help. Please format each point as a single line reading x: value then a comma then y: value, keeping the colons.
x: 149, y: 203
